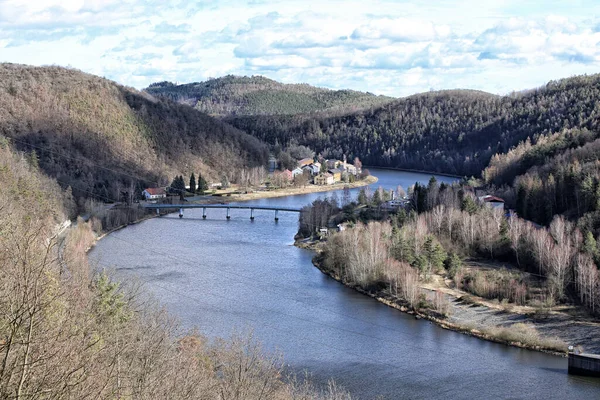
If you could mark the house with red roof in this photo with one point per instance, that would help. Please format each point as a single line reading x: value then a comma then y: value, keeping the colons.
x: 154, y: 193
x: 492, y: 201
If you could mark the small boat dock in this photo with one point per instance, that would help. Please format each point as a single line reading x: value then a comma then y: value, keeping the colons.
x: 584, y: 364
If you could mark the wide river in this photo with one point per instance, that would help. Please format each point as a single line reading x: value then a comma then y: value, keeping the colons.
x: 224, y: 276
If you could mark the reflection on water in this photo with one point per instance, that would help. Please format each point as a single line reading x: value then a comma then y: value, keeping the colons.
x: 221, y: 275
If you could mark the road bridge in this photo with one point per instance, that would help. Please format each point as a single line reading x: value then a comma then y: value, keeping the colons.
x: 228, y: 207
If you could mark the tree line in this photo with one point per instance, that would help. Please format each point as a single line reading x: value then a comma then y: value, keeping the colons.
x: 446, y: 224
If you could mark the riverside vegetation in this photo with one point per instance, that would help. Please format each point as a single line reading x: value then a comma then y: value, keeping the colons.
x: 399, y: 253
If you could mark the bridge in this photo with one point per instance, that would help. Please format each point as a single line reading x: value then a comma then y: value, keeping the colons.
x: 228, y: 207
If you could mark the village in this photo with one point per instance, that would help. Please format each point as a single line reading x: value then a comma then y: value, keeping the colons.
x: 307, y: 176
x: 325, y: 172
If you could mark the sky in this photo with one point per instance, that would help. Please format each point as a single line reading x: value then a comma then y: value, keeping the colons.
x: 394, y: 48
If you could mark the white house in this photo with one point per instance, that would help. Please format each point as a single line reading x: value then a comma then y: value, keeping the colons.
x: 297, y: 171
x: 154, y: 193
x: 351, y: 169
x: 313, y: 169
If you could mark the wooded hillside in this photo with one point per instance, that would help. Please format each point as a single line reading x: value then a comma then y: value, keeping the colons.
x: 257, y: 95
x: 454, y: 131
x: 102, y: 138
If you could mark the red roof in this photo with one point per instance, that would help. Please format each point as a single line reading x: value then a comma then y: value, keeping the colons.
x: 156, y: 191
x: 287, y: 173
x: 493, y: 199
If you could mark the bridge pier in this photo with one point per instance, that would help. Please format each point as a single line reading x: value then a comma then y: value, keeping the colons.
x: 181, y: 213
x: 203, y: 212
x: 276, y: 217
x: 228, y: 217
x: 252, y: 214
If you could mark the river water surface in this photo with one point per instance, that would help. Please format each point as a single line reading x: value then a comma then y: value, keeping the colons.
x: 221, y: 276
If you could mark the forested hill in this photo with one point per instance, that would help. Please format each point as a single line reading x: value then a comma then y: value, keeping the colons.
x: 101, y: 138
x: 257, y: 95
x: 454, y: 131
x: 436, y: 131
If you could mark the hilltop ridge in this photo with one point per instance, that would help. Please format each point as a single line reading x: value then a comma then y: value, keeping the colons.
x: 258, y: 95
x: 102, y: 138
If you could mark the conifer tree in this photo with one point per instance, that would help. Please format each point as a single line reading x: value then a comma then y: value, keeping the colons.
x: 202, y: 184
x: 192, y: 183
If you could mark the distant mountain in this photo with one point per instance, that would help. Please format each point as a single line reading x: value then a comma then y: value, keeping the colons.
x: 102, y: 138
x: 257, y: 95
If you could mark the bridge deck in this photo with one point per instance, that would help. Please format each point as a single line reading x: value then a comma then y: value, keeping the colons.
x: 223, y: 206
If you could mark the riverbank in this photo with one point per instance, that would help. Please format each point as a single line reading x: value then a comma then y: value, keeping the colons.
x: 525, y: 327
x: 291, y: 191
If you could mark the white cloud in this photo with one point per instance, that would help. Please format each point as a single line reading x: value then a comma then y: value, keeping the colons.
x: 383, y: 46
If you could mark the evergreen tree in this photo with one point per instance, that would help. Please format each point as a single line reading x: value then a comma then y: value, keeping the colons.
x: 434, y: 254
x: 401, y: 217
x: 590, y: 245
x: 468, y: 205
x: 34, y: 160
x: 419, y: 198
x: 362, y: 197
x: 192, y: 183
x: 377, y: 198
x: 178, y: 186
x: 453, y: 264
x: 346, y: 197
x: 202, y: 184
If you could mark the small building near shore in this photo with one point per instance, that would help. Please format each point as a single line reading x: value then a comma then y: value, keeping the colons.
x: 494, y: 202
x: 349, y: 168
x: 286, y: 174
x: 313, y: 169
x: 396, y: 204
x: 324, y: 179
x: 296, y: 172
x: 332, y: 164
x: 304, y: 162
x: 272, y: 163
x: 337, y: 174
x: 154, y: 193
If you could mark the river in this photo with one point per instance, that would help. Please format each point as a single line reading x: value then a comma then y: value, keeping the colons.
x: 221, y: 276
